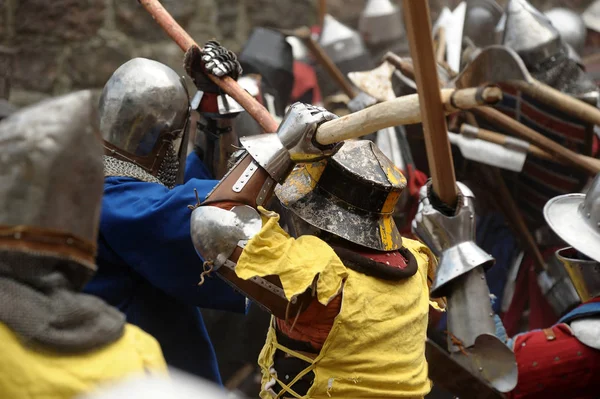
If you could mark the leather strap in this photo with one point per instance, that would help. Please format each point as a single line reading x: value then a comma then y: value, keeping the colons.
x: 48, y: 241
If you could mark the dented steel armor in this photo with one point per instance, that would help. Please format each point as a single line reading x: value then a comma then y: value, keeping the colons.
x: 570, y: 26
x: 51, y: 177
x: 144, y: 111
x: 351, y: 195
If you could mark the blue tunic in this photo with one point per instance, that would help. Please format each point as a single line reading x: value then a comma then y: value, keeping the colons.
x: 148, y: 268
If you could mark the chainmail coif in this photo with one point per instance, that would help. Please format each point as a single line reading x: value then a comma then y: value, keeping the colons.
x: 41, y: 303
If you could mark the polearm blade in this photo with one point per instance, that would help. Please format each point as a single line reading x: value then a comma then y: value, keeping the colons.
x: 439, y: 155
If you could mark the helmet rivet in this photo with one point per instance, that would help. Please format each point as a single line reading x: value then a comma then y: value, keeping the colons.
x: 588, y: 215
x: 69, y: 241
x: 481, y: 369
x: 17, y: 235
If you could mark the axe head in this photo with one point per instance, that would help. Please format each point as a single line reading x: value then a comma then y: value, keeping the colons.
x: 487, y: 153
x: 377, y: 82
x: 494, y: 64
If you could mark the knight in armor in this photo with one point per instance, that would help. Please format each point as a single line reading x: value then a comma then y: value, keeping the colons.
x: 147, y: 264
x: 349, y: 295
x: 57, y: 342
x: 562, y: 361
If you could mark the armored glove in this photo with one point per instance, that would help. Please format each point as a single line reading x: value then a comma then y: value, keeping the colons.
x: 297, y: 132
x: 293, y: 143
x: 450, y: 237
x: 214, y: 59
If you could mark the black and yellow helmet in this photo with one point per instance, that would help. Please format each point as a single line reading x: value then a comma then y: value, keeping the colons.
x: 351, y: 195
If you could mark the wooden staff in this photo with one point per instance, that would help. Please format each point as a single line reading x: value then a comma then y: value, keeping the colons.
x: 565, y: 155
x: 323, y: 59
x: 440, y: 51
x: 439, y: 155
x: 403, y: 110
x: 322, y: 12
x: 228, y: 85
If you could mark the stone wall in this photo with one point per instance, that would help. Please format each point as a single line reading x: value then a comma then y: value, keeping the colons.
x: 65, y: 45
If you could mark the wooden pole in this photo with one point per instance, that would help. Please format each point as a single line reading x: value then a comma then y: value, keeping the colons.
x: 321, y: 12
x: 228, y: 85
x: 403, y: 110
x: 439, y: 155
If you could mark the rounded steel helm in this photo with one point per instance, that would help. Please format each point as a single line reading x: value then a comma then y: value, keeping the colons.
x: 142, y: 101
x: 575, y: 218
x: 51, y: 178
x: 351, y: 195
x: 570, y: 25
x: 530, y: 33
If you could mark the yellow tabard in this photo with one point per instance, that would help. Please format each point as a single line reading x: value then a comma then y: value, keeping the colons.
x: 376, y: 348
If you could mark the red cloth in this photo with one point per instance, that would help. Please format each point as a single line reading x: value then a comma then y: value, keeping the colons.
x: 527, y: 290
x: 305, y: 79
x: 415, y: 180
x: 313, y: 325
x: 559, y: 367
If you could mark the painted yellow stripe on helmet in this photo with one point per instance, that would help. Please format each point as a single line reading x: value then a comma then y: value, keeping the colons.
x: 390, y: 238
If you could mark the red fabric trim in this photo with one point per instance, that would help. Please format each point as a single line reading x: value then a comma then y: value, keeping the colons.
x: 305, y: 79
x: 392, y: 258
x: 558, y: 368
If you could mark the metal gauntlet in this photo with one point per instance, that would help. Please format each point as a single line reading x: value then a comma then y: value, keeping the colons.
x: 452, y: 238
x: 293, y: 143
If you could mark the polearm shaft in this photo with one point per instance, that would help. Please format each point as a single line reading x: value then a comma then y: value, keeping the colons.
x: 228, y: 85
x: 437, y: 144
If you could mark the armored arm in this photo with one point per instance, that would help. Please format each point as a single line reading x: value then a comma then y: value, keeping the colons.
x: 460, y: 277
x: 227, y: 218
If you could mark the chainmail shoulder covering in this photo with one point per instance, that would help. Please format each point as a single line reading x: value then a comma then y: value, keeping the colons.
x: 167, y: 172
x: 564, y: 74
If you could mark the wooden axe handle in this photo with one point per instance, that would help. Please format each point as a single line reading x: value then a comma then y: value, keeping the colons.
x: 559, y: 100
x: 403, y: 110
x: 499, y: 138
x: 322, y: 11
x: 228, y: 85
x: 561, y: 153
x: 323, y: 59
x: 437, y: 144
